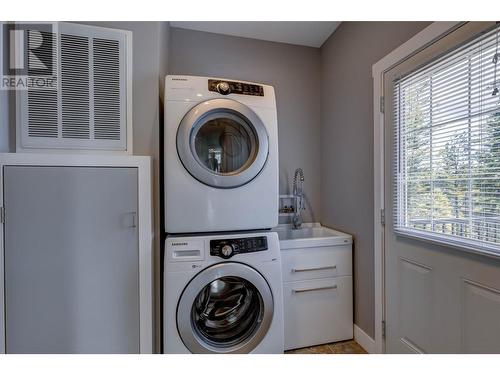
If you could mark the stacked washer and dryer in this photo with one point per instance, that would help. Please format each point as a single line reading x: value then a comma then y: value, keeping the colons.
x: 222, y: 267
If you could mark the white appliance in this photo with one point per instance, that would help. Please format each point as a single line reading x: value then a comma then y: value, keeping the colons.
x: 221, y: 155
x: 223, y: 294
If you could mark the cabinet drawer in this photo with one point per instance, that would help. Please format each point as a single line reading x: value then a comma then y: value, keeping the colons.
x: 317, y: 311
x: 316, y: 262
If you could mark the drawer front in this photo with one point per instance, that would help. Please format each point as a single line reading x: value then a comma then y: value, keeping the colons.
x: 318, y: 311
x: 316, y: 262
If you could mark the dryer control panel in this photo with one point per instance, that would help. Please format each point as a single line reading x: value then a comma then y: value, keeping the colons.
x: 229, y: 247
x: 232, y: 87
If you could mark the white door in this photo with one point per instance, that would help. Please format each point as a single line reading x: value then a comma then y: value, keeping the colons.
x: 71, y: 260
x: 438, y: 298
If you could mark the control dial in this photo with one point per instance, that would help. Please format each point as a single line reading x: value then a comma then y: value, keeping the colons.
x: 223, y: 88
x: 227, y: 251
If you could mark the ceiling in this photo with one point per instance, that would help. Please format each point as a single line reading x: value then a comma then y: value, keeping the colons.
x: 304, y: 33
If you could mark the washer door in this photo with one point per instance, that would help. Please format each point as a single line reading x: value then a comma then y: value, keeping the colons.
x: 222, y: 143
x: 226, y: 308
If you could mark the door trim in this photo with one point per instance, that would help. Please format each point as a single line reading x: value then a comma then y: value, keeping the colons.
x: 147, y: 331
x: 421, y: 40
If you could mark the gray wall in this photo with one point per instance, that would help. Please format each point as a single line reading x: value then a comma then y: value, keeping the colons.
x: 6, y: 135
x: 294, y: 72
x: 4, y: 121
x: 347, y: 142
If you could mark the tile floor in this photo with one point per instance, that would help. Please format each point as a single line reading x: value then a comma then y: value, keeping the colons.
x: 342, y: 347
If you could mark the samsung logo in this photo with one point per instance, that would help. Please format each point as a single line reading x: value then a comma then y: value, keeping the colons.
x: 179, y: 243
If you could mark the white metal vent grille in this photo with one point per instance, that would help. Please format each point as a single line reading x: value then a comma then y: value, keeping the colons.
x: 75, y: 86
x: 88, y: 110
x: 42, y: 114
x: 106, y: 89
x: 42, y: 104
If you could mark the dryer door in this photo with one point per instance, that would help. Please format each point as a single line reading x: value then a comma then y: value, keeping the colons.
x: 226, y: 308
x: 222, y: 143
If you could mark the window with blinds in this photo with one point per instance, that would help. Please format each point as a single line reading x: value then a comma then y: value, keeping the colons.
x: 447, y: 154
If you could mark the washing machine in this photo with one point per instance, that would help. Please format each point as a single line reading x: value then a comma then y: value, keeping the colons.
x: 223, y: 294
x: 220, y: 155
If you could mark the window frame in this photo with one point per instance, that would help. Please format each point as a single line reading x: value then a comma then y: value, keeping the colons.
x: 455, y: 241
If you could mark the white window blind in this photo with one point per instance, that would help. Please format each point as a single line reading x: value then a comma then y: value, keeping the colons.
x: 447, y: 148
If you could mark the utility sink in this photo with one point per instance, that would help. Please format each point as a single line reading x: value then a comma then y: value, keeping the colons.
x: 316, y: 264
x: 310, y: 235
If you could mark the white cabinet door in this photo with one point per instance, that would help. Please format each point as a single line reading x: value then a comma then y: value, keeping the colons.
x: 71, y: 260
x: 316, y: 262
x: 317, y: 311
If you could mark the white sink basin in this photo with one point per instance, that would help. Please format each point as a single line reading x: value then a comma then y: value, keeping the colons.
x: 310, y: 235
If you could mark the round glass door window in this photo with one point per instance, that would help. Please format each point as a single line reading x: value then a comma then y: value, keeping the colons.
x: 223, y: 311
x: 222, y: 143
x: 227, y: 312
x: 225, y: 145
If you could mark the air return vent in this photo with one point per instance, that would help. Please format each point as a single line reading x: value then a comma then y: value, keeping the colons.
x: 89, y: 108
x: 42, y: 104
x: 75, y: 86
x: 106, y: 89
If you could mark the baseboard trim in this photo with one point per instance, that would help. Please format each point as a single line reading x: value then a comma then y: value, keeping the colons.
x: 363, y: 339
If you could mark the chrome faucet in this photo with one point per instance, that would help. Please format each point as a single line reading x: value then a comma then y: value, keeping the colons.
x: 298, y: 196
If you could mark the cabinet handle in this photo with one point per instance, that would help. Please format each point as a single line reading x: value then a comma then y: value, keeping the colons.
x: 314, y: 269
x: 294, y: 291
x: 134, y: 220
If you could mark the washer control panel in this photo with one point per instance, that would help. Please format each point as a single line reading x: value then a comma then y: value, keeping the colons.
x: 232, y: 87
x: 232, y: 246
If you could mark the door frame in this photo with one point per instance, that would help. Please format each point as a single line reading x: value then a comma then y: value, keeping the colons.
x: 145, y: 232
x: 418, y: 42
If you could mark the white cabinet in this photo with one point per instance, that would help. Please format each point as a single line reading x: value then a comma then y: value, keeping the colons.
x: 74, y: 275
x: 317, y: 295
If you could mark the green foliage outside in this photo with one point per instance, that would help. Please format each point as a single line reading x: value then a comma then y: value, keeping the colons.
x: 455, y: 189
